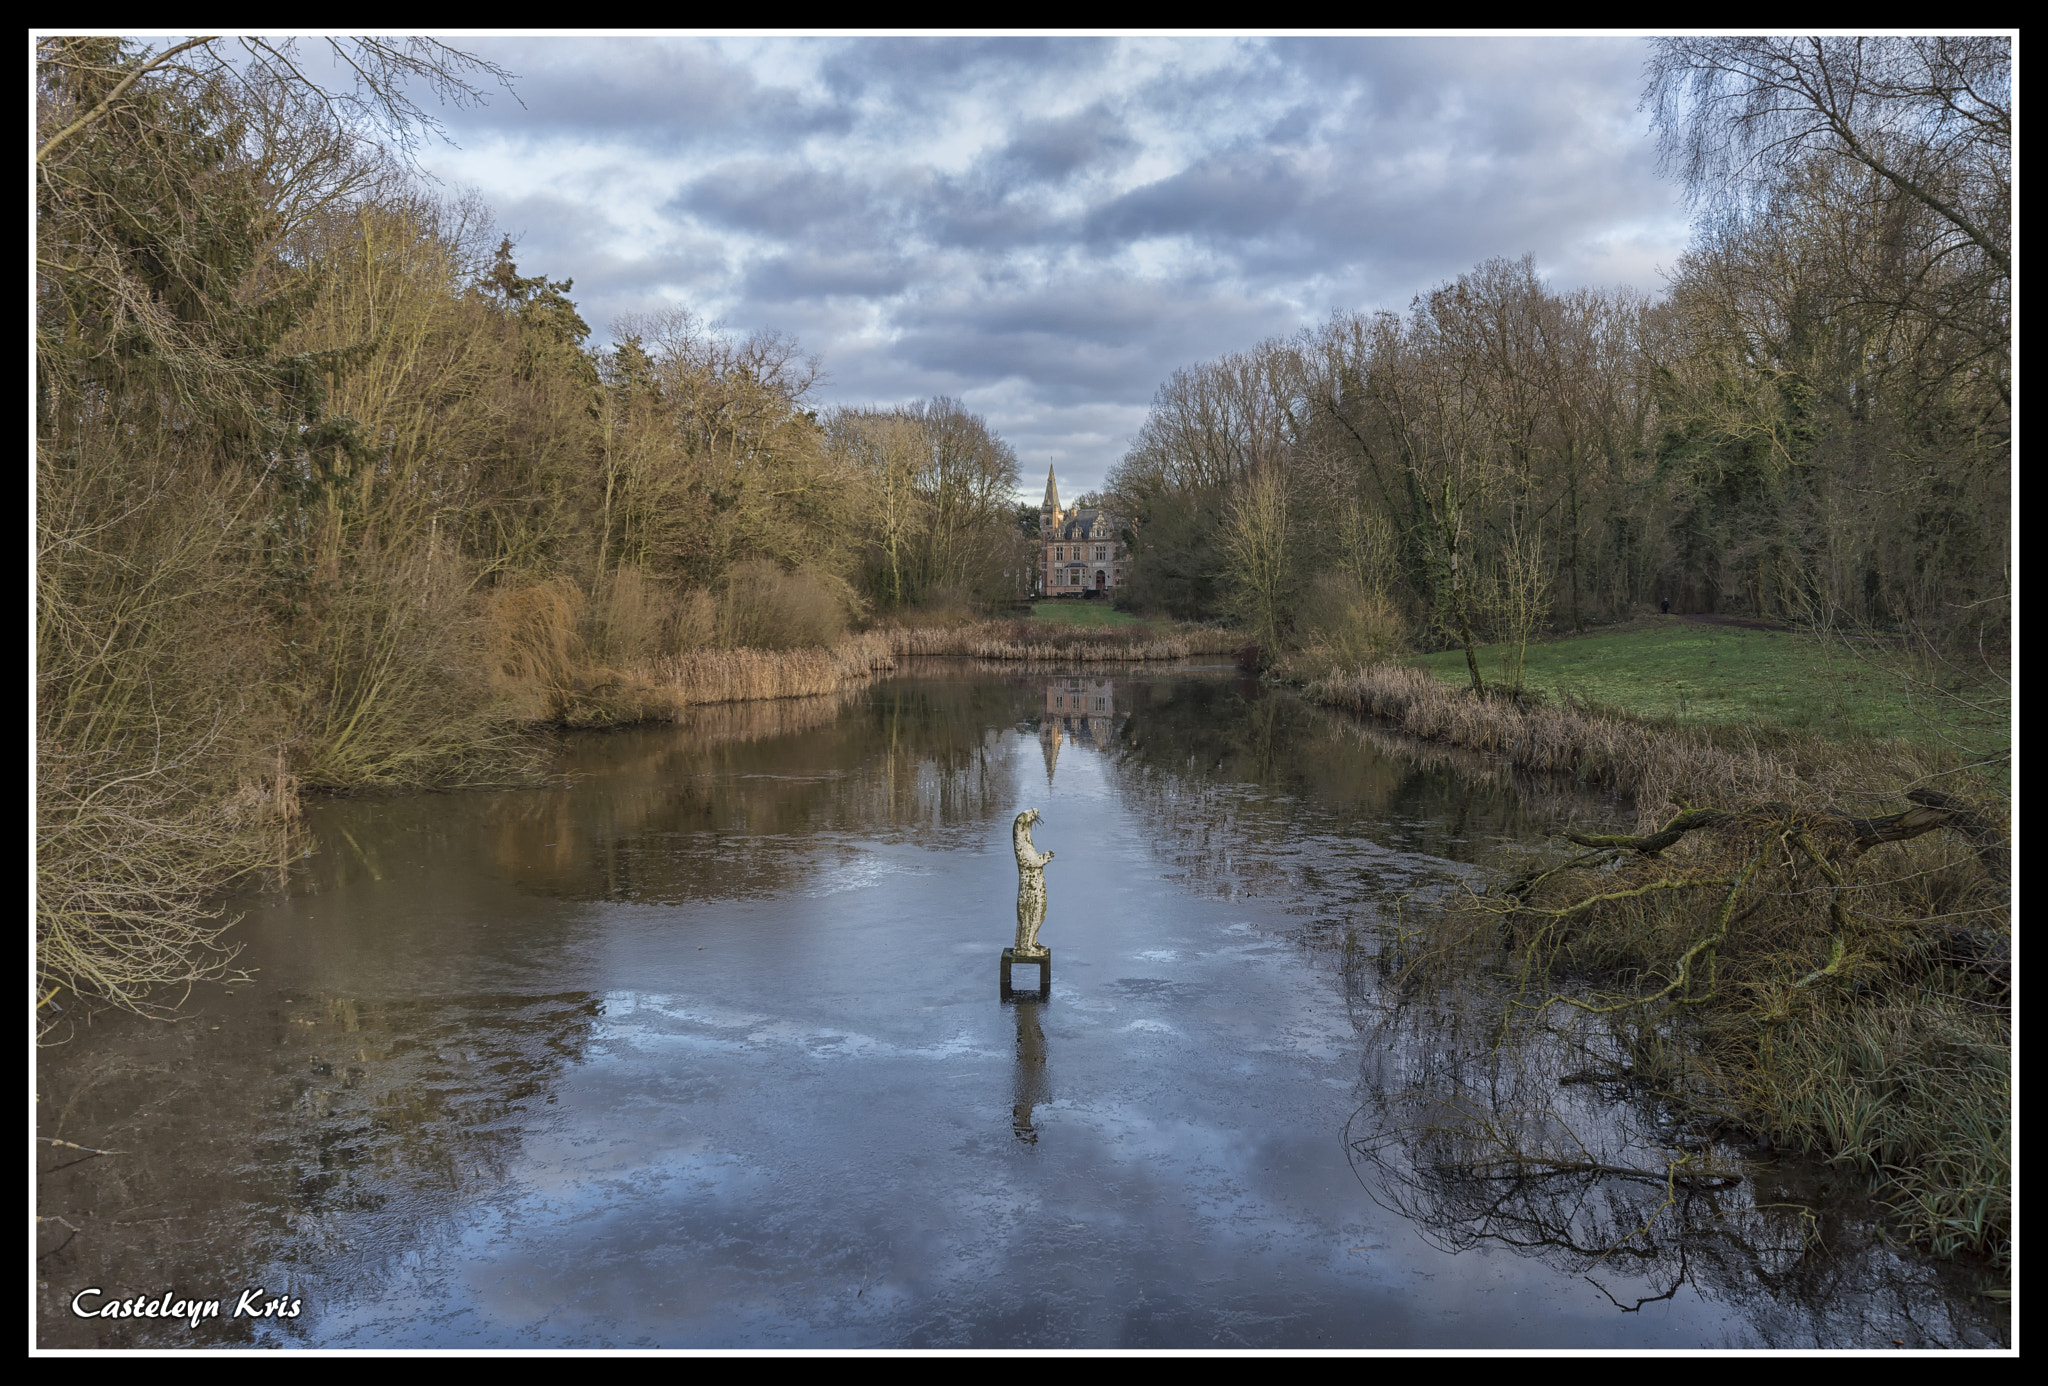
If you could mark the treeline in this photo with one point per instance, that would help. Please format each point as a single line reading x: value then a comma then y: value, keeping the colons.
x: 330, y: 494
x: 1812, y: 423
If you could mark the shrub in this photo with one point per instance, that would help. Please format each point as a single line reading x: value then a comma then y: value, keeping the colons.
x: 1341, y: 626
x: 762, y: 607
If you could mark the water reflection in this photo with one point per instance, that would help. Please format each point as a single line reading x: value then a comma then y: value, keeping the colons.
x: 1029, y: 1086
x: 309, y: 1130
x: 769, y: 803
x: 695, y: 1048
x: 1080, y: 709
x: 1512, y: 1146
x: 1252, y: 794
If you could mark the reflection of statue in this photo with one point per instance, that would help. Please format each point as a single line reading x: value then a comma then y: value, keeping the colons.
x: 1030, y: 885
x: 1030, y: 1078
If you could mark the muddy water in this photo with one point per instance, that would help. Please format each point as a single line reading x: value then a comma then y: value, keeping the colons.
x: 701, y: 1045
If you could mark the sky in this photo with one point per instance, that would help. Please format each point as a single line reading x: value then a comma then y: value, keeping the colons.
x: 1045, y: 228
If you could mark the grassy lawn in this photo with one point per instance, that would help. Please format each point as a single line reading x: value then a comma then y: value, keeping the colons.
x: 1082, y: 613
x: 1695, y: 673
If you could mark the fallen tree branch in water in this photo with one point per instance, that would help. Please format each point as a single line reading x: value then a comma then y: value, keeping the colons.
x: 1810, y: 998
x: 1544, y: 1169
x: 1931, y: 811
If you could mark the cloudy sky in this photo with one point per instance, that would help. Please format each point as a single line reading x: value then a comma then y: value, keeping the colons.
x: 1046, y: 227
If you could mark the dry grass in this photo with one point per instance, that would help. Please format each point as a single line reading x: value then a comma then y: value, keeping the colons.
x: 547, y: 675
x: 634, y: 618
x: 559, y: 664
x: 1341, y: 625
x: 1047, y: 642
x: 1654, y: 764
x: 730, y: 676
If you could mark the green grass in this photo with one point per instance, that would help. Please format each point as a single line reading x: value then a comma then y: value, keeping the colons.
x: 1083, y: 613
x: 1665, y: 667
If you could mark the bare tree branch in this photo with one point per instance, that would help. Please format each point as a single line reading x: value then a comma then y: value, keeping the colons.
x: 107, y: 103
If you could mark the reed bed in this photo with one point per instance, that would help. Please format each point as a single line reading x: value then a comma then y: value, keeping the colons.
x: 732, y: 676
x: 594, y: 696
x: 1042, y: 641
x: 1653, y: 764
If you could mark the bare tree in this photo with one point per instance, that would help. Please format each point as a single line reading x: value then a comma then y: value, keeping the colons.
x: 1930, y: 115
x: 368, y: 90
x: 1256, y: 534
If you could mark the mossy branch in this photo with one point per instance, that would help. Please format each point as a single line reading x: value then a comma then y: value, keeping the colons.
x: 1705, y: 949
x: 1652, y: 843
x: 1669, y: 883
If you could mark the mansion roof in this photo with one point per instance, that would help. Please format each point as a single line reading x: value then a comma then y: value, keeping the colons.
x: 1093, y: 523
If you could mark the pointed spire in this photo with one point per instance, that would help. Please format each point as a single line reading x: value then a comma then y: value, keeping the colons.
x: 1052, y: 491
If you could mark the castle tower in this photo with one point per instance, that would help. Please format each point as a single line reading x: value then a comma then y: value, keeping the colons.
x: 1049, y: 508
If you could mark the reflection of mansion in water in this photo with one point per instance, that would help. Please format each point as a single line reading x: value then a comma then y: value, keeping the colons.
x: 1077, y: 708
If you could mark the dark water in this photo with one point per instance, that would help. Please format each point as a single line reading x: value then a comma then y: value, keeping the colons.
x: 702, y: 1047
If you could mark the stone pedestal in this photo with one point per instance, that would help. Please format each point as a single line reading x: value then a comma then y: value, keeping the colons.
x: 1038, y: 957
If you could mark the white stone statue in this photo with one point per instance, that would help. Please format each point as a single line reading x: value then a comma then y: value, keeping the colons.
x: 1030, y: 885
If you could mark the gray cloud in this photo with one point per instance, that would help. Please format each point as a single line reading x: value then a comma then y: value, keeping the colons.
x: 785, y: 199
x: 812, y: 273
x: 1053, y: 150
x: 1048, y: 227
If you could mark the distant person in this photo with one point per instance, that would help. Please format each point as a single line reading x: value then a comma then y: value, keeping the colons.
x: 1665, y: 606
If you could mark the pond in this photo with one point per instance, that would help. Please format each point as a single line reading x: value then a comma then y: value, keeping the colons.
x: 701, y: 1045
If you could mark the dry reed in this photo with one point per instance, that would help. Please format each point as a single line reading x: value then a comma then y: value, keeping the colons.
x: 596, y: 696
x: 729, y: 676
x: 1654, y: 765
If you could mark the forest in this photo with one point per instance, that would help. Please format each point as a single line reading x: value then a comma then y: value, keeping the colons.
x: 331, y: 495
x: 1809, y: 423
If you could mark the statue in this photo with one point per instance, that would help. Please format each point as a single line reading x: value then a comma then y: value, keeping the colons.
x: 1030, y: 887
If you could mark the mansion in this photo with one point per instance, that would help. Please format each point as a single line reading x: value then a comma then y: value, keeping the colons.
x: 1078, y: 550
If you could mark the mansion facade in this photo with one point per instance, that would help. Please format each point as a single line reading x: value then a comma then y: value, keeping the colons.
x: 1078, y: 551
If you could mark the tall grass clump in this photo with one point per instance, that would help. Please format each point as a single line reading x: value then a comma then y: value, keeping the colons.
x: 640, y: 654
x: 634, y: 618
x: 764, y: 607
x: 698, y: 677
x: 390, y: 680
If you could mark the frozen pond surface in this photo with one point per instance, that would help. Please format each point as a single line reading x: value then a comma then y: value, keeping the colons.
x: 703, y: 1048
